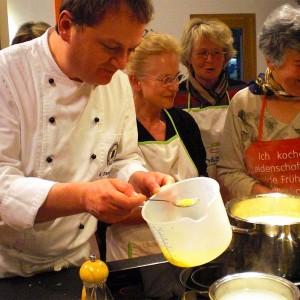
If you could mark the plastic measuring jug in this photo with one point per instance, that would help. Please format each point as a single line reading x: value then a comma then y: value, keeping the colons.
x: 189, y: 236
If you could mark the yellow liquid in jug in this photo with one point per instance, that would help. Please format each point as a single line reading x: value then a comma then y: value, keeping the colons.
x: 190, y: 259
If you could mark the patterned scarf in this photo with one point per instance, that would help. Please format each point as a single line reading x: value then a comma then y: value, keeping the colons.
x: 208, y: 97
x: 265, y: 85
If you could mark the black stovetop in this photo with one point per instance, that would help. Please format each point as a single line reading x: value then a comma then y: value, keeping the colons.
x: 124, y: 282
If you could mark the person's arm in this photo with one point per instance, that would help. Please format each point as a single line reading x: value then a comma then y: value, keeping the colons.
x: 26, y: 199
x: 135, y: 218
x: 260, y: 189
x: 232, y: 172
x: 110, y: 200
x: 20, y: 196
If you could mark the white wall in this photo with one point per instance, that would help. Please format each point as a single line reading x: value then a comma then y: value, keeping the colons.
x: 170, y: 16
x: 21, y: 11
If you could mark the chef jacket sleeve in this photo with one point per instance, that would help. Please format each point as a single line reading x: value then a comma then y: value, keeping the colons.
x: 19, y: 197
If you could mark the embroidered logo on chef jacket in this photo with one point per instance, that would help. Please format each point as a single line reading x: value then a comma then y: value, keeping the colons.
x: 112, y: 153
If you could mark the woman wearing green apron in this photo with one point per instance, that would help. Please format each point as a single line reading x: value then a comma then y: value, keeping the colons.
x: 169, y: 140
x: 207, y: 48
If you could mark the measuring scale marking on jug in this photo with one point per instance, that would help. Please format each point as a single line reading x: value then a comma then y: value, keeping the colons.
x: 197, y: 226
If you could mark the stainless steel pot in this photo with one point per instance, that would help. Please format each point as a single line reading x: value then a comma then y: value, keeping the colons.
x: 253, y: 285
x: 266, y: 235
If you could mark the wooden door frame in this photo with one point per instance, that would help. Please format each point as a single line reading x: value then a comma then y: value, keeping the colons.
x: 247, y: 23
x: 57, y: 4
x: 4, y: 36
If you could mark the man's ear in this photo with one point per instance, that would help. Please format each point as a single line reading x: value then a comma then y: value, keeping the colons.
x: 64, y: 25
x: 135, y: 83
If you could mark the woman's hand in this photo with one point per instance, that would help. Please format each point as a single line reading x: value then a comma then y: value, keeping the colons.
x: 149, y: 183
x: 260, y: 189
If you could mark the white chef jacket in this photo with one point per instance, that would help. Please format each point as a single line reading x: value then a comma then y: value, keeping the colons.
x: 53, y: 129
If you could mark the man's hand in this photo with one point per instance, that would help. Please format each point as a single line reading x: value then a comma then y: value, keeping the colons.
x: 112, y: 200
x: 109, y: 200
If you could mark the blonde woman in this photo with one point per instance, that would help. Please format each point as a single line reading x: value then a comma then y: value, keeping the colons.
x: 169, y: 141
x: 207, y: 47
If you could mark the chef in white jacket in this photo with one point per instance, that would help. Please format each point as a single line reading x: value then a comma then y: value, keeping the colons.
x: 68, y: 140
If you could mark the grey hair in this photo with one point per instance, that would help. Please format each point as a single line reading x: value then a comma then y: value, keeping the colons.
x: 151, y: 44
x: 214, y: 29
x: 280, y: 32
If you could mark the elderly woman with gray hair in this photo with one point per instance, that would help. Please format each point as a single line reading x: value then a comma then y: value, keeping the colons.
x: 207, y: 47
x: 262, y: 128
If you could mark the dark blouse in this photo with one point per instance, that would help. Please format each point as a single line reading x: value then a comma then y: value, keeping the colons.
x: 189, y: 133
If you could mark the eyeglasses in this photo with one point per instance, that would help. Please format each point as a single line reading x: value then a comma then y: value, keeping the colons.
x: 168, y: 79
x: 146, y: 31
x: 203, y: 54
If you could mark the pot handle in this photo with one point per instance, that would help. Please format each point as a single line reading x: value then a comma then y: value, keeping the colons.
x: 236, y: 229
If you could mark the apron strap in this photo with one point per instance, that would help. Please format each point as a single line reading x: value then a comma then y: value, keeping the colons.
x: 228, y: 97
x: 261, y: 118
x: 182, y: 143
x: 189, y: 95
x: 169, y: 116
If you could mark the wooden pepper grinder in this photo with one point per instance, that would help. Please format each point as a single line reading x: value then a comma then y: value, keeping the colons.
x: 93, y: 274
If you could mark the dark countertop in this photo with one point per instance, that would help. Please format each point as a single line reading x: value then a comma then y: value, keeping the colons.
x: 124, y: 282
x: 65, y: 284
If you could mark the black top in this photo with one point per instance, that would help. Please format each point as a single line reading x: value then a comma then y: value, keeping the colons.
x: 189, y: 133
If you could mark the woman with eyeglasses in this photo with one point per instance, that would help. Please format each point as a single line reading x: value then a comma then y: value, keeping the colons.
x: 169, y: 140
x: 207, y: 47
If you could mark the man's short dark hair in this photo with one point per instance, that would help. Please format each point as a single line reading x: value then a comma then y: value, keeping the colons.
x: 91, y: 12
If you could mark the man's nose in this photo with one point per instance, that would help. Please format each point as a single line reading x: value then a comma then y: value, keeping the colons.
x: 120, y: 61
